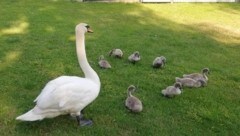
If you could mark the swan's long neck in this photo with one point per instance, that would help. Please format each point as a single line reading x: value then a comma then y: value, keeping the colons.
x: 82, y: 58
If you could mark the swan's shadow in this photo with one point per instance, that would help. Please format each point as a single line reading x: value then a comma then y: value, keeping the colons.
x: 46, y: 124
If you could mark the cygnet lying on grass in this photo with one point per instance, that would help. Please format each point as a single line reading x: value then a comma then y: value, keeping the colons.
x: 172, y: 91
x: 189, y: 82
x: 135, y: 57
x: 196, y: 76
x: 116, y: 53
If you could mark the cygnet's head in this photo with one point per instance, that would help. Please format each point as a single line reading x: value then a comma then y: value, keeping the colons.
x: 131, y: 88
x: 136, y: 54
x: 163, y: 59
x: 178, y: 85
x: 83, y: 27
x: 206, y: 71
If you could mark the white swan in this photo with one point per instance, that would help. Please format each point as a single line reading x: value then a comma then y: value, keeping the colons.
x: 68, y: 94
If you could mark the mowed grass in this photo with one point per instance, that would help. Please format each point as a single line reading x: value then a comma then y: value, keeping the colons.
x: 37, y: 44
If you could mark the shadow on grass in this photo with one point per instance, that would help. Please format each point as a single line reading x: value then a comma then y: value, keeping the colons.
x: 37, y: 45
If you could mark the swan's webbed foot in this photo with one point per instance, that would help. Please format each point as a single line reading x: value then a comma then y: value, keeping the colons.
x: 86, y: 122
x: 83, y: 122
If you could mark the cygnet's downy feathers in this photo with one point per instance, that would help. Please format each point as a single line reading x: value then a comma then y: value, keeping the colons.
x: 132, y: 102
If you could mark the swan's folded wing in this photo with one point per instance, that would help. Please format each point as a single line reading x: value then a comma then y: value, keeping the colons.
x: 53, y: 84
x: 69, y: 95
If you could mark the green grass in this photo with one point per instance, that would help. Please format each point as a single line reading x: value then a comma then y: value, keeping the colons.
x: 37, y: 45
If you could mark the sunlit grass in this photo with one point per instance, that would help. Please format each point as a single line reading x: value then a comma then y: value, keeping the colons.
x: 37, y: 44
x: 9, y: 59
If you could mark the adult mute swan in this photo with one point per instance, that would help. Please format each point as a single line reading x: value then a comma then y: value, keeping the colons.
x: 68, y: 94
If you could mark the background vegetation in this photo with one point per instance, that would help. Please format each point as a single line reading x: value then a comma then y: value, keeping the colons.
x: 37, y: 44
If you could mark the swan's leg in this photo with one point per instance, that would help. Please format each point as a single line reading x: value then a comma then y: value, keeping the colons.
x: 83, y: 122
x: 73, y: 116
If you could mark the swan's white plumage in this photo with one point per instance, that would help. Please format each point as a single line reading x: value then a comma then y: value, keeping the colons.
x: 67, y: 94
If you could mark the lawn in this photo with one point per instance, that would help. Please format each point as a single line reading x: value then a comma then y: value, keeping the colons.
x: 37, y: 44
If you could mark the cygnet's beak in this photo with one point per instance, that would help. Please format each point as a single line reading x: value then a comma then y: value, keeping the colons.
x: 89, y: 30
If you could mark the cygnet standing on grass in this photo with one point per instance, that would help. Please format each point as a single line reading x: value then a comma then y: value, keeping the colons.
x: 103, y: 63
x: 172, y: 91
x: 132, y: 102
x: 135, y: 57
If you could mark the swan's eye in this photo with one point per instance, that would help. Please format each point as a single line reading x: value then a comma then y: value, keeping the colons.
x: 87, y: 26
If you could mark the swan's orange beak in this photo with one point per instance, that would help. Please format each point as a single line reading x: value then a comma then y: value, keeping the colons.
x: 89, y: 30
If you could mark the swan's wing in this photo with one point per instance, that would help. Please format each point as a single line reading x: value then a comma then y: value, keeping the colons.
x: 69, y: 96
x: 77, y: 95
x: 53, y: 84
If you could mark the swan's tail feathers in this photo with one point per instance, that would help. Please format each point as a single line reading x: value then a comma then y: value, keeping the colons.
x: 29, y: 116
